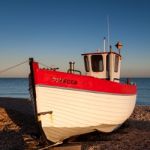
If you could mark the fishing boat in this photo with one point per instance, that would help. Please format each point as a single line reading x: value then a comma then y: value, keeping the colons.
x: 70, y: 103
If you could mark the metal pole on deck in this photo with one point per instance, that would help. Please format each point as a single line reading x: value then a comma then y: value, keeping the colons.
x: 104, y: 44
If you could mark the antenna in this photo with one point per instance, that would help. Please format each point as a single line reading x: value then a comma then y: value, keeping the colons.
x: 108, y: 32
x: 104, y: 44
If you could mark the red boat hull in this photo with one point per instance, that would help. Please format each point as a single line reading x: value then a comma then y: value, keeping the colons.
x: 80, y: 82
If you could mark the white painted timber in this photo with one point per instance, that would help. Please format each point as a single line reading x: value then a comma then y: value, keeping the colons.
x: 76, y: 112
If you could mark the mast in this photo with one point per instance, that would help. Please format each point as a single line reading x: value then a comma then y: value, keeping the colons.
x: 104, y: 44
x: 108, y: 32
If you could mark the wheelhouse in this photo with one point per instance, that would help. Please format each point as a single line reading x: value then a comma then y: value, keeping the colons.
x: 104, y: 65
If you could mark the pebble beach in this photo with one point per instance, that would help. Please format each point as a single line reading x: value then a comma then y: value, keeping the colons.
x: 18, y: 130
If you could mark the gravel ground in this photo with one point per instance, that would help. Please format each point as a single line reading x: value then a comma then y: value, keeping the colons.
x: 18, y: 130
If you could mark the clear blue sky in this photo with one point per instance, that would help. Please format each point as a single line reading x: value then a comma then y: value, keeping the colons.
x: 57, y: 31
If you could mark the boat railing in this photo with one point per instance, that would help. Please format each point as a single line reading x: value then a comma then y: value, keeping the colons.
x: 73, y: 71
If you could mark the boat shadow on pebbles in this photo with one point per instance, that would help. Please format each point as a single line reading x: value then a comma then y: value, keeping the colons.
x: 133, y: 134
x: 17, y: 125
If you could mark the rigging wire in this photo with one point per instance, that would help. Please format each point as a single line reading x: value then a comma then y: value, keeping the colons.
x: 21, y: 63
x: 14, y: 66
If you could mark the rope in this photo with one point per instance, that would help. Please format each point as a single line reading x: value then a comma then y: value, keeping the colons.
x: 21, y: 63
x: 48, y: 67
x: 44, y: 65
x: 14, y: 66
x: 50, y: 146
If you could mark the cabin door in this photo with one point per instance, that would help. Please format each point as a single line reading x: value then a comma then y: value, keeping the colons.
x: 107, y: 67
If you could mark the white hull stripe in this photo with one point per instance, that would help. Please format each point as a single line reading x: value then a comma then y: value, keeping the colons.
x: 75, y: 89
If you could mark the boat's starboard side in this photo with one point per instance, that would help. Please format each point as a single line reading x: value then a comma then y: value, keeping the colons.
x: 75, y: 112
x: 69, y: 104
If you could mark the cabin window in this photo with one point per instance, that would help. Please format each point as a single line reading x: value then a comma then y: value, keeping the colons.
x: 116, y: 63
x: 86, y: 62
x: 97, y: 63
